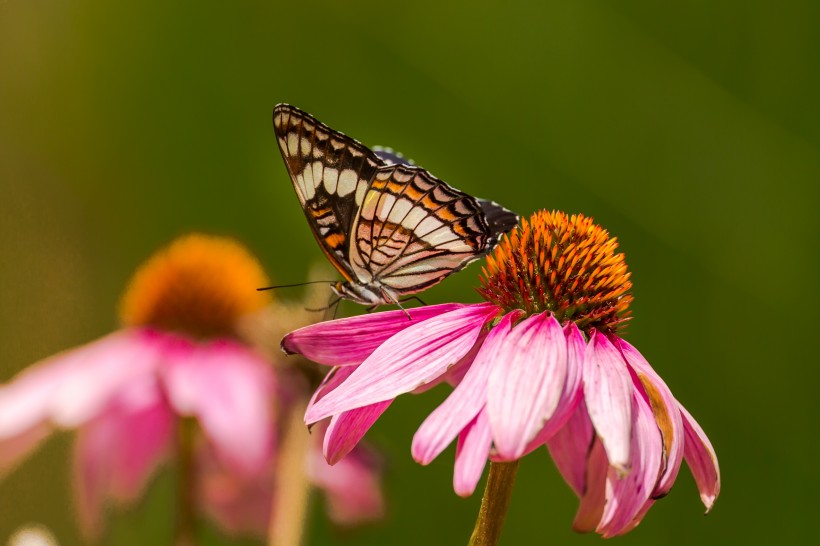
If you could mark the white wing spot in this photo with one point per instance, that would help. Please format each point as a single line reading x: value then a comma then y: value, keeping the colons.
x: 293, y: 144
x: 306, y: 147
x: 360, y: 191
x: 402, y: 176
x: 331, y: 178
x: 400, y: 210
x: 427, y: 225
x: 307, y: 173
x: 414, y: 217
x: 317, y: 173
x: 347, y: 182
x: 385, y: 204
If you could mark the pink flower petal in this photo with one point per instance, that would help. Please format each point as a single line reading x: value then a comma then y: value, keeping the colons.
x: 608, y: 394
x: 352, y: 487
x: 573, y: 392
x: 474, y: 444
x: 346, y: 429
x: 413, y: 357
x: 460, y: 408
x: 570, y: 446
x: 15, y: 449
x: 239, y: 505
x: 702, y: 461
x: 348, y: 341
x: 593, y: 499
x: 627, y: 495
x: 228, y: 388
x: 525, y: 383
x: 667, y: 416
x: 71, y: 387
x: 116, y: 453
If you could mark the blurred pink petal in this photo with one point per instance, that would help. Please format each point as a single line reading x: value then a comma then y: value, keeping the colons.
x: 228, y: 388
x: 349, y: 341
x: 116, y: 453
x: 352, y: 486
x: 413, y: 357
x: 525, y: 383
x: 240, y: 505
x: 15, y: 449
x: 608, y: 394
x: 57, y: 389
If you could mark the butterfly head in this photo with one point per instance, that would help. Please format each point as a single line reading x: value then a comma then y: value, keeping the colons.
x: 359, y: 293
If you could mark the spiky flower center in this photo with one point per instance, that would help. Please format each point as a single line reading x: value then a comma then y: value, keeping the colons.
x: 199, y: 285
x: 564, y: 264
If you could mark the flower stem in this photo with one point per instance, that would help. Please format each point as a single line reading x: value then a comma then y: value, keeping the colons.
x: 292, y: 491
x: 185, y: 531
x: 494, y: 504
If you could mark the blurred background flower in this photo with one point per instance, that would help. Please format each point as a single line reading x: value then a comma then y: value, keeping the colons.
x: 180, y: 379
x: 690, y: 130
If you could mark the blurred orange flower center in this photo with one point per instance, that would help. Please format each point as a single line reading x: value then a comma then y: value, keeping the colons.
x: 564, y: 264
x: 199, y: 285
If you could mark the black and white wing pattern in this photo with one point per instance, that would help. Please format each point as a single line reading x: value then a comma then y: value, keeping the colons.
x: 330, y: 173
x: 390, y: 227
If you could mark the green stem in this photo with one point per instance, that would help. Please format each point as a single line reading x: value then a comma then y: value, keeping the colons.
x: 185, y: 531
x: 494, y: 504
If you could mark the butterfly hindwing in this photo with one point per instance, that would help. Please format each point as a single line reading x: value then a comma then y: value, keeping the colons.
x: 388, y: 226
x: 330, y: 173
x: 413, y: 230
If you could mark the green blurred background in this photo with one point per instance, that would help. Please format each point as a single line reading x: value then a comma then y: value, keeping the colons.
x: 691, y: 132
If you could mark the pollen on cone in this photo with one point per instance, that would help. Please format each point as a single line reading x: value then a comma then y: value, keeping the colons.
x: 199, y: 285
x: 564, y: 264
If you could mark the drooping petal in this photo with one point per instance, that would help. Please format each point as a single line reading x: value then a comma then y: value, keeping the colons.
x: 471, y: 454
x: 70, y: 387
x: 608, y: 394
x: 464, y: 403
x: 667, y: 416
x: 627, y: 495
x: 116, y: 453
x: 348, y: 341
x: 570, y: 447
x: 572, y: 394
x: 15, y: 449
x: 593, y: 498
x: 702, y: 461
x: 413, y: 357
x: 239, y: 505
x: 346, y: 429
x: 352, y: 487
x: 525, y: 383
x: 228, y: 389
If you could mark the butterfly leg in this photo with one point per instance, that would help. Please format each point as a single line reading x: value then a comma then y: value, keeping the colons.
x: 411, y: 298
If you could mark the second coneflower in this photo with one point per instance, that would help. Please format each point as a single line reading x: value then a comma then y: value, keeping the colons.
x: 541, y: 363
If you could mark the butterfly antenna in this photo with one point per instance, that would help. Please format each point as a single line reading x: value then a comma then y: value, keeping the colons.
x: 293, y: 285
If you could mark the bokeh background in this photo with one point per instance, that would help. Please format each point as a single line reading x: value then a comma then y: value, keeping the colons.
x: 691, y: 131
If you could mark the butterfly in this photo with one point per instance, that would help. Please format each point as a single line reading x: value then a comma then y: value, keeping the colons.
x: 389, y: 227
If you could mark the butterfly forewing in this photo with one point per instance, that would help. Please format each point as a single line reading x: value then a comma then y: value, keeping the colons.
x: 413, y: 230
x: 330, y: 173
x: 390, y: 227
